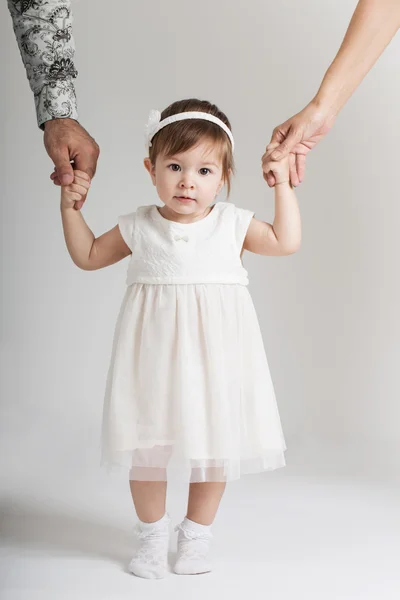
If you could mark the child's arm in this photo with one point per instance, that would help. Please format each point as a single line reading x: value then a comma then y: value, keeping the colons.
x: 283, y: 237
x: 87, y: 252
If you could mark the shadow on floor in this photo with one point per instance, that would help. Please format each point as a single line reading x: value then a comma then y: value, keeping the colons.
x: 33, y: 528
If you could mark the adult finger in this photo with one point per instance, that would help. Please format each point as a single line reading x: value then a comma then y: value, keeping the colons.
x: 55, y: 179
x: 294, y: 179
x: 300, y: 166
x: 63, y: 167
x: 271, y: 146
x: 292, y: 138
x: 86, y: 159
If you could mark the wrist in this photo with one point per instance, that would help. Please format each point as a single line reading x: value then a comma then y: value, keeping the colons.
x: 57, y: 122
x: 66, y: 208
x: 327, y: 100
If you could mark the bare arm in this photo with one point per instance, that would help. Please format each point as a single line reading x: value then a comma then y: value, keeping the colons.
x: 373, y: 25
x: 87, y: 251
x: 283, y: 237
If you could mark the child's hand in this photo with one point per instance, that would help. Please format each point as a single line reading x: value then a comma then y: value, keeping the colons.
x: 279, y: 168
x: 76, y: 191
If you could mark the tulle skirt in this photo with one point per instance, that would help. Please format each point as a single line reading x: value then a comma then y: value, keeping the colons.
x: 189, y: 390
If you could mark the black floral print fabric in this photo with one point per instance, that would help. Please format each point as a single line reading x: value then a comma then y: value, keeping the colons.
x: 43, y: 29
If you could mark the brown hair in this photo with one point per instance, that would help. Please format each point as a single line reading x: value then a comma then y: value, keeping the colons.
x: 183, y: 135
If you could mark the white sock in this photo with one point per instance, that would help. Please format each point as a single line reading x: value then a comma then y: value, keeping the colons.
x: 151, y: 559
x: 193, y: 548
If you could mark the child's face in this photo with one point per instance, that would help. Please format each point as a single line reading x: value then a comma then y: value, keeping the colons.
x: 188, y: 183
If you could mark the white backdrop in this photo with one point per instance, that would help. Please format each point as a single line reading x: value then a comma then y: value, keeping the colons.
x: 329, y: 314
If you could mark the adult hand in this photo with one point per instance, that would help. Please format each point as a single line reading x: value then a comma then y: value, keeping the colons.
x: 71, y: 148
x: 296, y: 137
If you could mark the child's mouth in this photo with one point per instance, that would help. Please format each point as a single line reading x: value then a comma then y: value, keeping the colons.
x: 184, y: 199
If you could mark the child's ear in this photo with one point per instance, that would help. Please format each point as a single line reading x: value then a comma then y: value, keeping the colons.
x: 150, y: 168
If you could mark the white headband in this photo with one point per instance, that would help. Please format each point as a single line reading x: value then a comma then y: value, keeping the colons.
x: 154, y: 124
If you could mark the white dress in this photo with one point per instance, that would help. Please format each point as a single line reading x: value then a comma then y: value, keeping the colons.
x: 189, y: 388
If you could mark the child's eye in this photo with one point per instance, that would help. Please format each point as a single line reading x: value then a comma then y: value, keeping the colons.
x: 174, y: 167
x: 205, y: 171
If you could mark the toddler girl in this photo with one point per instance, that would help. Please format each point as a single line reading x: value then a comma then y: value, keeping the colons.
x: 188, y: 389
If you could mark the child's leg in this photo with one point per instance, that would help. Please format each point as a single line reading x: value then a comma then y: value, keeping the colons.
x: 149, y: 498
x: 204, y: 500
x: 149, y: 482
x: 149, y: 489
x: 151, y: 558
x: 195, y: 530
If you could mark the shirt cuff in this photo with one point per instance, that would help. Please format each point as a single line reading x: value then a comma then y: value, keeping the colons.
x: 56, y: 100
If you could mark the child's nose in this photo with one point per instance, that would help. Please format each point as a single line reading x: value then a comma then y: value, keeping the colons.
x: 186, y: 183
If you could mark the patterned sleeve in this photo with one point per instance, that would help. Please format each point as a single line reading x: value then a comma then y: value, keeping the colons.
x: 126, y: 224
x: 43, y: 29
